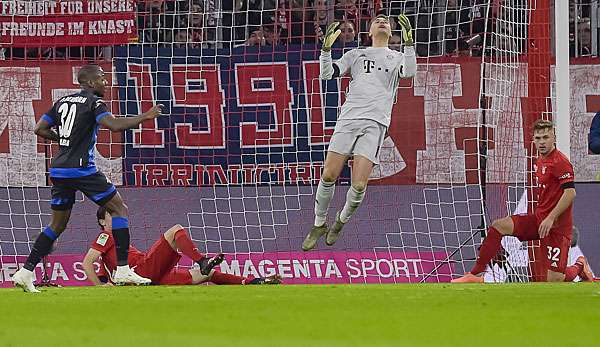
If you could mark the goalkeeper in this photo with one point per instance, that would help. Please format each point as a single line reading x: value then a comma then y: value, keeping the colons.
x: 160, y: 261
x: 364, y: 117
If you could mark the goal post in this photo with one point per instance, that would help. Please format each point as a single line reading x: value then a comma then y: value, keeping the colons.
x: 238, y: 155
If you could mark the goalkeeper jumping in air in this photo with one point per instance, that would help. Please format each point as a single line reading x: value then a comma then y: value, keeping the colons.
x: 364, y: 117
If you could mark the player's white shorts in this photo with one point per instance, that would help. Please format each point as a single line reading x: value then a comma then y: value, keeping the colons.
x: 362, y: 137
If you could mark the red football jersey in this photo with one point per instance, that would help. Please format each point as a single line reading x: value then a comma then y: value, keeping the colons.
x: 105, y: 244
x: 552, y: 172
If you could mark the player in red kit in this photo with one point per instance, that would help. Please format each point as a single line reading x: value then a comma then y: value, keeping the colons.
x: 159, y: 263
x: 552, y: 220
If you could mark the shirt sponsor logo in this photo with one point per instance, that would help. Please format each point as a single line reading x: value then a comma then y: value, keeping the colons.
x: 565, y: 176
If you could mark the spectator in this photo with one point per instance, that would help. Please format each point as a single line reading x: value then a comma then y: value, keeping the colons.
x: 395, y: 42
x: 348, y: 34
x: 457, y: 25
x: 256, y: 38
x: 584, y: 37
x: 196, y: 14
x: 477, y: 17
x: 322, y: 16
x: 181, y: 39
x: 252, y: 13
x: 594, y: 136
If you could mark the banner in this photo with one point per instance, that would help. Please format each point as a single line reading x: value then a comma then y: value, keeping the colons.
x: 224, y: 124
x: 67, y: 23
x: 294, y: 267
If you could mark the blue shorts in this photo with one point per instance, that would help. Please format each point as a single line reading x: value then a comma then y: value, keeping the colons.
x: 96, y: 187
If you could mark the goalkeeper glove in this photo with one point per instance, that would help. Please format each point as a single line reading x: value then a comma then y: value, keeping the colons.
x: 330, y: 36
x: 406, y: 30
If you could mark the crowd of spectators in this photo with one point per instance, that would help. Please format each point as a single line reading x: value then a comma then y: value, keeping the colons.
x: 442, y: 27
x: 580, y: 27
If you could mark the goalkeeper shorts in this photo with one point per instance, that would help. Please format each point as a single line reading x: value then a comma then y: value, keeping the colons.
x: 362, y: 137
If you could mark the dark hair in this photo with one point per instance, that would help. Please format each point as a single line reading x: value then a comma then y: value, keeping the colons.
x: 542, y: 124
x: 101, y: 214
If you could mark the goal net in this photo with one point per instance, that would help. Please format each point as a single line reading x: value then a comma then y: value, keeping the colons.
x: 237, y: 156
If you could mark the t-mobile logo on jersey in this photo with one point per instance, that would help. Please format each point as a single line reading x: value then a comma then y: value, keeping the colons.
x: 368, y: 65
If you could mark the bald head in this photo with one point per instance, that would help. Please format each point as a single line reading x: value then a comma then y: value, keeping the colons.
x: 91, y: 77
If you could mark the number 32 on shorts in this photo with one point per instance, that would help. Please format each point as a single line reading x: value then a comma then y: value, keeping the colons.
x: 553, y: 253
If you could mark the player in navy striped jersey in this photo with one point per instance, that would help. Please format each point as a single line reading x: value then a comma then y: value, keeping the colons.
x: 364, y: 117
x: 73, y: 122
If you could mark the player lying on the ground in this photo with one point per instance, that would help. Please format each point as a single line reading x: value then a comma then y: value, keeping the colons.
x: 159, y: 262
x: 552, y: 220
x: 364, y: 117
x: 76, y: 118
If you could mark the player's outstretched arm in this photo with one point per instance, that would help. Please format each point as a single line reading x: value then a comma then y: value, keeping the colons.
x: 409, y: 68
x: 88, y: 266
x: 44, y: 129
x: 123, y: 123
x: 326, y: 64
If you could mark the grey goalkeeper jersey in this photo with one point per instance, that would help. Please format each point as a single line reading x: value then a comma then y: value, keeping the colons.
x: 375, y: 73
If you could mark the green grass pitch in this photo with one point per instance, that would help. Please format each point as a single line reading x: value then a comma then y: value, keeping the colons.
x: 536, y: 315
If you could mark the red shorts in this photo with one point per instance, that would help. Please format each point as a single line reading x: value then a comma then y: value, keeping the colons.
x: 556, y: 244
x: 158, y: 262
x: 177, y: 277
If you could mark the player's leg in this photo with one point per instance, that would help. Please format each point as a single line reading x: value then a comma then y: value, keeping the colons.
x: 524, y: 227
x: 194, y: 276
x: 557, y: 245
x: 492, y: 243
x: 361, y: 170
x: 334, y: 163
x: 221, y: 278
x: 366, y: 155
x: 179, y: 239
x: 104, y: 193
x: 63, y: 198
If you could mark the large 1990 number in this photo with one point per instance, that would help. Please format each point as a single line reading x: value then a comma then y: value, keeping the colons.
x: 67, y: 119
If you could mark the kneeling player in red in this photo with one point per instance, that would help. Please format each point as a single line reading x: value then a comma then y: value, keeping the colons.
x: 552, y: 220
x: 159, y: 262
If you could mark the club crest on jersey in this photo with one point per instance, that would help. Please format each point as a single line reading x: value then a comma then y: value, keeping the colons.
x: 543, y: 170
x: 390, y: 57
x: 102, y: 238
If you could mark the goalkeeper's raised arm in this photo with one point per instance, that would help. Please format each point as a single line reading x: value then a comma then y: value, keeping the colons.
x: 380, y: 38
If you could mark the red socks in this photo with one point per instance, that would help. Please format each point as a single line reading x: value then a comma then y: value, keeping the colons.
x: 488, y: 250
x: 223, y: 278
x: 186, y: 245
x: 573, y: 271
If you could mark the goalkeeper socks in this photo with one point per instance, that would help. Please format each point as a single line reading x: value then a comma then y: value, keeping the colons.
x: 324, y: 194
x: 186, y: 245
x: 573, y: 271
x: 489, y: 249
x: 41, y: 248
x: 223, y: 278
x: 353, y: 199
x: 120, y: 231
